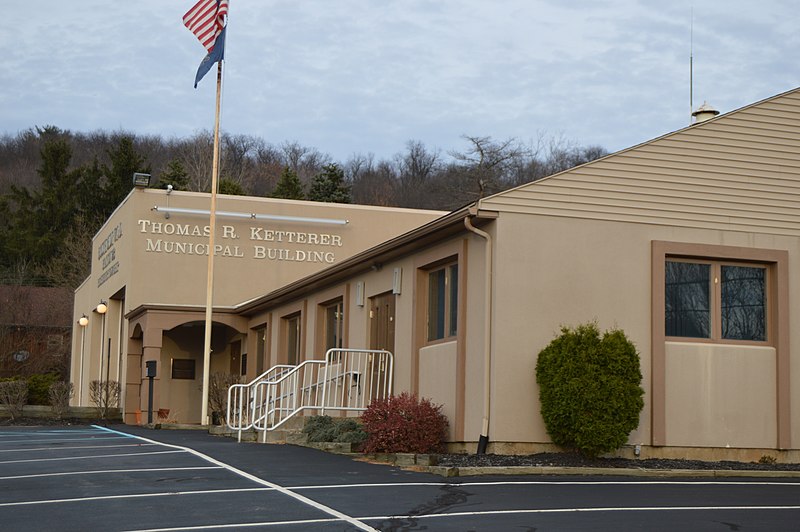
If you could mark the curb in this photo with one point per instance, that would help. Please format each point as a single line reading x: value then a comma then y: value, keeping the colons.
x: 445, y: 471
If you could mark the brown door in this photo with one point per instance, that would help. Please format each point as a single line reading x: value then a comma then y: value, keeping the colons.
x: 381, y: 316
x: 236, y: 358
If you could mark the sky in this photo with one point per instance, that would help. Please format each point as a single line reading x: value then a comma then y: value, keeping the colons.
x: 366, y: 76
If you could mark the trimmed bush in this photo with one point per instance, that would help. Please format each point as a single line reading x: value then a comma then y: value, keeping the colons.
x: 589, y: 388
x: 13, y: 396
x: 404, y: 424
x: 104, y: 395
x: 60, y: 394
x: 339, y: 430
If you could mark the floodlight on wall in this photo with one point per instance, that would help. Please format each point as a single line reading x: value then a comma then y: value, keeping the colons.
x: 251, y: 216
x: 397, y: 280
x: 141, y: 180
x: 83, y: 321
x: 360, y: 293
x: 102, y: 308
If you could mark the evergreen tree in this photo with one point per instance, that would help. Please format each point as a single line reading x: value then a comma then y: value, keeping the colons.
x: 125, y: 161
x: 289, y: 186
x: 36, y: 222
x: 329, y: 186
x: 230, y: 187
x: 176, y: 175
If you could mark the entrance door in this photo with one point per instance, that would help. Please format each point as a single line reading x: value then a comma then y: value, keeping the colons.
x: 381, y: 316
x: 236, y: 358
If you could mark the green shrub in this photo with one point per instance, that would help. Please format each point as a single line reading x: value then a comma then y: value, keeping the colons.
x: 340, y: 430
x: 589, y: 388
x: 39, y: 387
x: 404, y: 424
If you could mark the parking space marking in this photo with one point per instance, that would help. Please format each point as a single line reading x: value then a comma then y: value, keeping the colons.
x: 546, y: 483
x: 76, y: 447
x: 310, y: 502
x: 579, y: 510
x: 105, y: 471
x: 464, y: 514
x: 13, y: 433
x: 87, y: 457
x: 240, y: 525
x: 51, y: 440
x: 132, y: 496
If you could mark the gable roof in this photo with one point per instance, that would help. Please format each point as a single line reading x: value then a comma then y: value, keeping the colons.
x: 739, y: 171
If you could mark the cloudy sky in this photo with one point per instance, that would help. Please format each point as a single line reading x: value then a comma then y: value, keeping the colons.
x: 366, y: 76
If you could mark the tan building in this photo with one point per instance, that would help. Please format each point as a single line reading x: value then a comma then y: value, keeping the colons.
x: 689, y: 243
x: 150, y: 264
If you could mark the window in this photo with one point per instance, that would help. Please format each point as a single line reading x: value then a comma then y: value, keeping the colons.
x: 442, y: 302
x: 292, y: 324
x: 334, y: 325
x: 183, y: 368
x: 715, y: 300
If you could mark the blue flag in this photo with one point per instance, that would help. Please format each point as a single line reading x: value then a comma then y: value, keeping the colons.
x: 215, y: 55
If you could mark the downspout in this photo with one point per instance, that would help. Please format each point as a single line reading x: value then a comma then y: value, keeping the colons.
x: 483, y: 441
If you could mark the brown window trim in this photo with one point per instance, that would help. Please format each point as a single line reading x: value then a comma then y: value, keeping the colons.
x: 777, y: 262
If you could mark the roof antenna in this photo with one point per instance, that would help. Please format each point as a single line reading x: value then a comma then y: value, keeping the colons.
x: 691, y: 65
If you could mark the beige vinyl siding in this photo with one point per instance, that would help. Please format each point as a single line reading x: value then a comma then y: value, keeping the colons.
x: 740, y: 172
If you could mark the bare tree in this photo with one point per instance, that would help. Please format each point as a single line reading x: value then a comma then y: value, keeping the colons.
x: 304, y: 161
x: 197, y: 155
x: 488, y: 166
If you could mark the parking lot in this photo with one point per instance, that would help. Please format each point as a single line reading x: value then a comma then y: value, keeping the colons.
x: 129, y: 478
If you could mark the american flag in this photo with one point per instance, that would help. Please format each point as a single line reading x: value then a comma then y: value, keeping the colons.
x: 206, y: 20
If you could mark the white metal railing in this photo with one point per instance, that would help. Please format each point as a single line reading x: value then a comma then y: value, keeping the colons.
x: 345, y: 380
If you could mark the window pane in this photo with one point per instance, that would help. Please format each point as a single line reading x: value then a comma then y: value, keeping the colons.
x: 436, y: 301
x: 292, y: 340
x: 334, y: 325
x: 687, y: 300
x: 743, y: 302
x: 452, y: 328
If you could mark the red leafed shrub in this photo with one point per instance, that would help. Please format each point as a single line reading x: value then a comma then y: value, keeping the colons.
x: 404, y: 424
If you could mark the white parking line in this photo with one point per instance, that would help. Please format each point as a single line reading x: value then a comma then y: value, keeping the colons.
x: 468, y: 514
x: 131, y: 496
x: 240, y: 525
x: 104, y: 471
x: 45, y: 432
x: 314, y: 504
x: 86, y: 457
x: 543, y: 483
x: 75, y: 447
x: 581, y: 510
x: 51, y: 440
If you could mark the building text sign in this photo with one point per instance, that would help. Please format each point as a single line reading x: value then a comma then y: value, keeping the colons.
x: 261, y: 242
x: 107, y: 253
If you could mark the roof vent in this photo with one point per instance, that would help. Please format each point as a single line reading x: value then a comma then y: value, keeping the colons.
x: 704, y: 112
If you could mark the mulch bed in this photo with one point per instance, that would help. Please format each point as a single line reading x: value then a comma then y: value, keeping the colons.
x: 577, y: 460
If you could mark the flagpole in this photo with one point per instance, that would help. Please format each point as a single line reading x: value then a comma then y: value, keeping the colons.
x: 212, y: 229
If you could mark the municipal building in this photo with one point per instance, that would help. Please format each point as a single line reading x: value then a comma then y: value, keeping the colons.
x: 690, y: 243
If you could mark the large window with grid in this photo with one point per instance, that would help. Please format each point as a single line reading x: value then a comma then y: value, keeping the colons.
x: 715, y: 300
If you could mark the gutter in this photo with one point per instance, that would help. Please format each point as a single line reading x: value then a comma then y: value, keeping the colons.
x: 483, y: 441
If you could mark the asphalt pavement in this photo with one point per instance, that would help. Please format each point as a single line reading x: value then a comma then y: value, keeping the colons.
x: 131, y: 478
